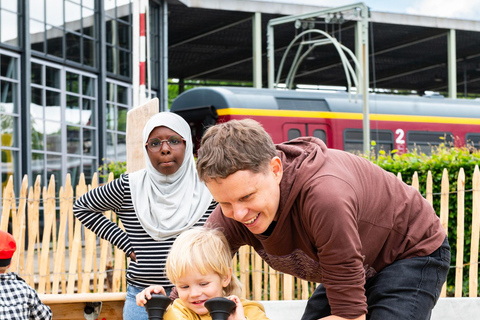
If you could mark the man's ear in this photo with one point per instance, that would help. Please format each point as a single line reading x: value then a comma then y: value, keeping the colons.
x: 276, y: 168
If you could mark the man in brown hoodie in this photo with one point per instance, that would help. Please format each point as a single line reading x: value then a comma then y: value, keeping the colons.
x: 327, y: 216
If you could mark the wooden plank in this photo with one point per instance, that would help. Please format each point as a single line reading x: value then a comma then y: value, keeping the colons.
x: 6, y: 204
x: 49, y: 215
x: 415, y: 182
x: 33, y: 229
x: 445, y: 193
x: 429, y: 188
x: 473, y: 272
x: 460, y: 232
x: 136, y: 120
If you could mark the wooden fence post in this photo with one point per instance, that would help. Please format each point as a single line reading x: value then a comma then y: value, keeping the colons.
x: 460, y: 232
x: 473, y: 275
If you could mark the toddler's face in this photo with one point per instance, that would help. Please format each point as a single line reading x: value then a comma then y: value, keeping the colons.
x: 195, y: 288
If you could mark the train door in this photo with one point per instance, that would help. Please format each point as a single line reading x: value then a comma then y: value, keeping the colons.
x: 295, y: 130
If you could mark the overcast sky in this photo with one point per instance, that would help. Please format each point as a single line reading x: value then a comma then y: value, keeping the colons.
x: 461, y: 9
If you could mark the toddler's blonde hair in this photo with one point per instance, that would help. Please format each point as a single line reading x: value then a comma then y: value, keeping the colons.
x: 202, y: 250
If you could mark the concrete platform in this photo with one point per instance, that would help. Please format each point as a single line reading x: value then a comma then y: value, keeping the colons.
x: 446, y: 309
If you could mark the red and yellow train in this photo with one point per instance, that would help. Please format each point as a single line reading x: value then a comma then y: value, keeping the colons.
x: 397, y: 123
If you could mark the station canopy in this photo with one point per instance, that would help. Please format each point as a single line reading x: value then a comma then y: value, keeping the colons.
x: 212, y: 40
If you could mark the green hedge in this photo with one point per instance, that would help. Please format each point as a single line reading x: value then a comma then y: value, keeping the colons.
x: 441, y: 158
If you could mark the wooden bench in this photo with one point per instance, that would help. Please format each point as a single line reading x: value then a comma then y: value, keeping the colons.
x: 81, y: 306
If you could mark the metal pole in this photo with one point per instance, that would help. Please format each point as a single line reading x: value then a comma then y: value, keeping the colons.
x: 452, y: 64
x: 257, y: 49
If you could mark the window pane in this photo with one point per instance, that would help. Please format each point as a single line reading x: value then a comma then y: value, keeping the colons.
x: 124, y: 63
x: 9, y: 67
x: 10, y: 5
x: 73, y: 47
x: 87, y: 113
x: 9, y: 28
x: 37, y: 70
x: 73, y: 140
x: 52, y: 105
x: 317, y: 133
x: 73, y: 167
x: 122, y: 119
x: 38, y: 166
x: 52, y: 77
x: 37, y: 134
x: 111, y: 32
x: 8, y: 97
x: 7, y: 123
x: 110, y: 146
x: 88, y: 52
x: 88, y: 142
x: 37, y: 10
x: 72, y: 111
x: 91, y: 3
x: 473, y: 140
x: 88, y: 86
x: 72, y: 82
x: 73, y: 16
x: 53, y: 135
x: 89, y: 169
x: 88, y: 22
x: 37, y: 100
x: 121, y: 148
x: 122, y: 95
x: 293, y: 133
x: 37, y: 35
x: 54, y: 167
x: 55, y: 42
x: 110, y: 116
x: 55, y: 12
x: 123, y: 35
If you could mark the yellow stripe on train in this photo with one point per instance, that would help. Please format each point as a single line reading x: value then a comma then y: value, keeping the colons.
x: 343, y: 115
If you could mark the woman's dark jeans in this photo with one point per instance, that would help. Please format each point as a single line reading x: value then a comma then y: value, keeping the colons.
x: 406, y: 289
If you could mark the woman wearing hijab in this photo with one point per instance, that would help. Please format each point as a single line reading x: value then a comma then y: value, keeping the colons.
x: 155, y: 205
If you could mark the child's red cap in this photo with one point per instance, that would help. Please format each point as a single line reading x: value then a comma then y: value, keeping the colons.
x: 7, y: 248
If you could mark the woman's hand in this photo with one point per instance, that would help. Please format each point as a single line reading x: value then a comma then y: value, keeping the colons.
x: 238, y: 313
x: 133, y: 256
x: 146, y: 294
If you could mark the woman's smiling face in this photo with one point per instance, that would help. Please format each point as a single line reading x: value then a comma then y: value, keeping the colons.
x: 167, y: 160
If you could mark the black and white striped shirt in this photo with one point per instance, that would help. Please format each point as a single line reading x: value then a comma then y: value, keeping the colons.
x: 149, y: 269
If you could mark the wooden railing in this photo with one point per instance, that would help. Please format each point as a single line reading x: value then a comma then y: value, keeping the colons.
x: 70, y: 259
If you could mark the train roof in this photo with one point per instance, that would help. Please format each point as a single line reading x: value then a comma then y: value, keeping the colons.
x: 272, y: 99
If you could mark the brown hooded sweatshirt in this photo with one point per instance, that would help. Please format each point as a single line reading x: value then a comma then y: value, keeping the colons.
x: 341, y: 219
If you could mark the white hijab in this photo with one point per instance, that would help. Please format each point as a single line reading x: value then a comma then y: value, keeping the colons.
x: 166, y: 205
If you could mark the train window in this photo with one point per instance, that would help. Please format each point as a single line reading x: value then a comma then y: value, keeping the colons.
x: 423, y: 141
x: 302, y: 104
x: 317, y: 133
x: 353, y: 140
x: 473, y: 140
x: 293, y: 133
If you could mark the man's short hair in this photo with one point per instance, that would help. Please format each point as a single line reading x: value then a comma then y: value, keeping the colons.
x: 233, y: 146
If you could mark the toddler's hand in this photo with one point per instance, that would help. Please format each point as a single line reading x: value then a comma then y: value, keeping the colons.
x: 238, y: 313
x: 146, y: 294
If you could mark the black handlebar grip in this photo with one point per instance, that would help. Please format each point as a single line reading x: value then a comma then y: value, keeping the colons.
x: 220, y: 308
x: 156, y: 306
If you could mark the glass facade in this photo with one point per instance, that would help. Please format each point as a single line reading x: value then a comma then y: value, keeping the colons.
x: 9, y: 117
x: 9, y: 22
x: 118, y: 100
x: 64, y: 107
x: 64, y: 29
x: 118, y: 17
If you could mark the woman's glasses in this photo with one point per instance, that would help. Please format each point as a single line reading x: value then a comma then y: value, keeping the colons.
x: 155, y: 144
